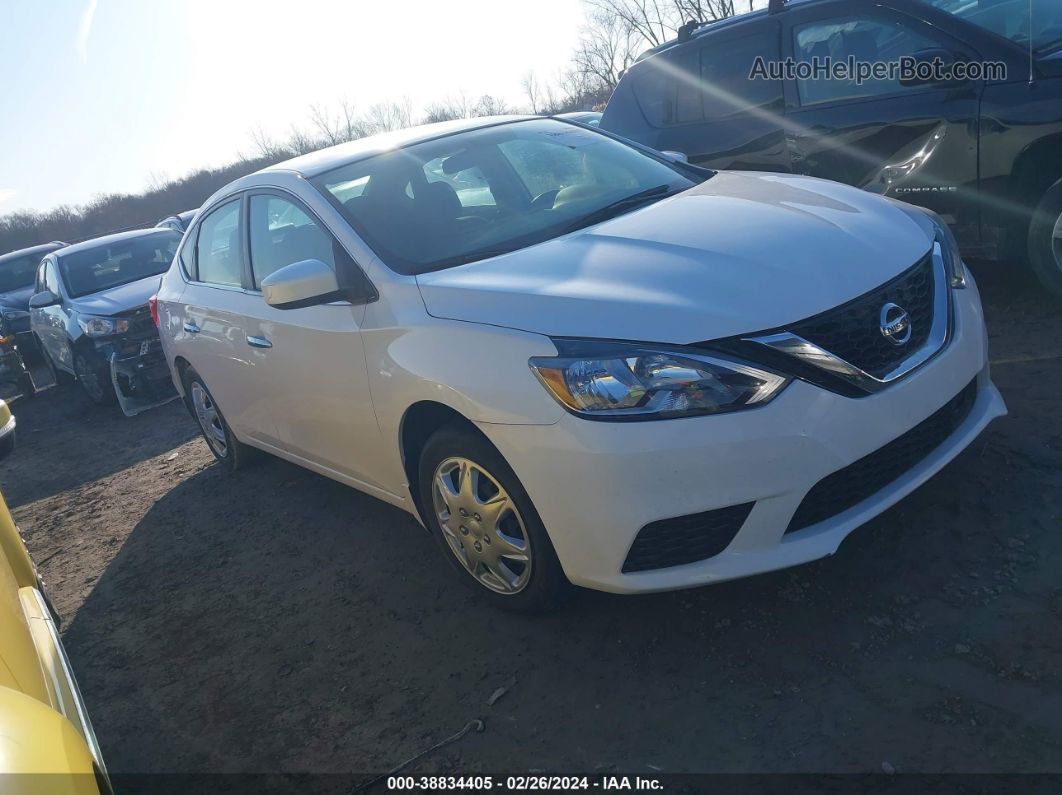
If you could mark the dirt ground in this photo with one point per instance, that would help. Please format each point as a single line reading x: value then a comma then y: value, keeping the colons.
x: 276, y: 621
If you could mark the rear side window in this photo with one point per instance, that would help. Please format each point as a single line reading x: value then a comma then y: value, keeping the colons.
x: 217, y: 248
x: 283, y: 233
x: 707, y: 81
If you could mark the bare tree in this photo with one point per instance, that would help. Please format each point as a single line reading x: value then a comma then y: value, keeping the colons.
x: 387, y: 116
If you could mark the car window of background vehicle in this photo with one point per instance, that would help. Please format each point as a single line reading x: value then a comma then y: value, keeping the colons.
x: 18, y: 272
x: 541, y: 175
x: 218, y: 247
x: 1010, y: 19
x: 100, y: 268
x: 865, y: 40
x: 282, y: 233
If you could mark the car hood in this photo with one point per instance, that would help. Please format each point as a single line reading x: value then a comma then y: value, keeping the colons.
x: 118, y: 300
x: 741, y: 252
x: 17, y: 299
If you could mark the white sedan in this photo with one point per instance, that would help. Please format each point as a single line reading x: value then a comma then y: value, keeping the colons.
x: 576, y: 360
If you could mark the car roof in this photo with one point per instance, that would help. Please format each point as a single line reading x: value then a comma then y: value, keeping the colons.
x: 43, y: 248
x: 314, y: 163
x: 107, y: 240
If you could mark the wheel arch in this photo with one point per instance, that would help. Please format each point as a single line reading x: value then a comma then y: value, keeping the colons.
x: 419, y: 422
x: 1036, y: 169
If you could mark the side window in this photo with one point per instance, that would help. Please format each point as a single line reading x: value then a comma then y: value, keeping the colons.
x: 725, y: 73
x: 864, y: 40
x: 708, y: 81
x: 283, y: 233
x: 51, y: 278
x: 217, y: 248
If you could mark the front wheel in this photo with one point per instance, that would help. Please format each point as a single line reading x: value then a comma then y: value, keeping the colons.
x: 485, y: 524
x: 1045, y: 240
x: 94, y: 379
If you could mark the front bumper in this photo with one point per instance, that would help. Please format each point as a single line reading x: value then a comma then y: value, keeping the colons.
x: 139, y: 374
x: 597, y: 484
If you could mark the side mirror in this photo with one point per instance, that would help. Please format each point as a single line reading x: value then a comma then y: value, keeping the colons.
x: 305, y: 283
x: 43, y: 299
x: 921, y: 69
x: 675, y: 157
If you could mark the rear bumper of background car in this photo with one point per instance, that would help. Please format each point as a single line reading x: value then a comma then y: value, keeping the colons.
x: 742, y: 476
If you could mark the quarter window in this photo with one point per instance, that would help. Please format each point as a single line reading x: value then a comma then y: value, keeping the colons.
x: 217, y: 248
x: 283, y: 233
x: 863, y: 40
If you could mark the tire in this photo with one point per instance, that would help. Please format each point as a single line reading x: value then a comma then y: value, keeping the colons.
x: 227, y: 449
x: 1045, y: 240
x: 506, y: 556
x: 94, y: 379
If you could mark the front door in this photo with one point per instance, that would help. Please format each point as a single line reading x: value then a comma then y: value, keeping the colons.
x: 49, y: 322
x: 310, y: 360
x: 917, y: 143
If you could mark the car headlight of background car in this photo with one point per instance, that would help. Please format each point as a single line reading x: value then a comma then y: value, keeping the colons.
x: 95, y: 326
x: 615, y: 381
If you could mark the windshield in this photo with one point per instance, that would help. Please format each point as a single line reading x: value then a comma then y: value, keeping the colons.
x: 18, y: 272
x: 1011, y: 19
x: 482, y: 193
x: 120, y: 262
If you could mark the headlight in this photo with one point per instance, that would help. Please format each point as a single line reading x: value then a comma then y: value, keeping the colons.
x: 14, y: 314
x: 628, y: 381
x: 102, y: 326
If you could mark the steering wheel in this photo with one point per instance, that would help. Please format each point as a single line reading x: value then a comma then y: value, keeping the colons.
x: 544, y: 201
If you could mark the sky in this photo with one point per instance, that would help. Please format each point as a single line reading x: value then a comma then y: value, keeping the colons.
x: 103, y: 96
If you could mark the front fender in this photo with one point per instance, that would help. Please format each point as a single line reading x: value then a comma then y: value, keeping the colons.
x: 41, y: 753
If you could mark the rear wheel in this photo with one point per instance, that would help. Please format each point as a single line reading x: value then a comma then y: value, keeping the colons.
x: 1045, y: 240
x: 485, y: 524
x: 94, y: 379
x: 226, y: 448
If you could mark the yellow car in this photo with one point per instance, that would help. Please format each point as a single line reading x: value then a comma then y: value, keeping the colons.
x: 46, y: 741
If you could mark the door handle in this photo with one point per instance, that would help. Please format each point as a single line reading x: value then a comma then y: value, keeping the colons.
x: 259, y: 342
x: 192, y: 328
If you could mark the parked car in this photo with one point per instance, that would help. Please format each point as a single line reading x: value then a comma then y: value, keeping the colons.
x: 590, y: 118
x: 625, y: 373
x: 46, y: 739
x: 178, y: 223
x: 91, y: 317
x: 985, y: 154
x: 17, y: 270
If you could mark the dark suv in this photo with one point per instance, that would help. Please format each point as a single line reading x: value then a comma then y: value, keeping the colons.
x: 985, y: 153
x: 17, y: 270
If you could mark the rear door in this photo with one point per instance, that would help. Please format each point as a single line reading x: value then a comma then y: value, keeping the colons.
x: 311, y: 360
x: 917, y: 143
x: 212, y: 335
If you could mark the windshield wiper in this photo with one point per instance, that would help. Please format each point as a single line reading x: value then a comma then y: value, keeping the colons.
x: 613, y: 209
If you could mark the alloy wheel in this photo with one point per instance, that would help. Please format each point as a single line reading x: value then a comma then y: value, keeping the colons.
x: 481, y: 525
x: 209, y: 420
